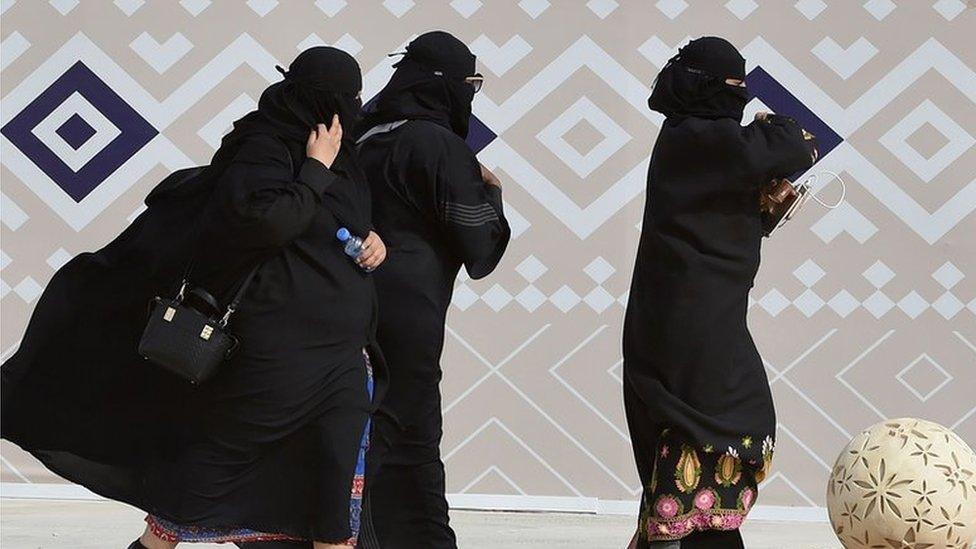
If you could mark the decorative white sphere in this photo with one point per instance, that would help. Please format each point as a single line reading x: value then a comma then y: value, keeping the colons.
x: 904, y: 483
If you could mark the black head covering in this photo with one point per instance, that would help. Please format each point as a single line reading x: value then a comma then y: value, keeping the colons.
x: 321, y: 82
x: 693, y: 81
x: 428, y: 84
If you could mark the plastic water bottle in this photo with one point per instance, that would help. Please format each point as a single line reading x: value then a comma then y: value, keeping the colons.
x: 351, y: 244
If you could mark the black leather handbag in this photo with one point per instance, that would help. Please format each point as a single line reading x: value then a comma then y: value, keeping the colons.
x: 188, y: 334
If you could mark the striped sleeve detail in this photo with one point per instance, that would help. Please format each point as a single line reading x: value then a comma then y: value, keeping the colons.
x: 469, y: 216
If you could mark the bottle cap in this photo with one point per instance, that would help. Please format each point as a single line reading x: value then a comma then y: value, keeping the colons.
x: 343, y: 234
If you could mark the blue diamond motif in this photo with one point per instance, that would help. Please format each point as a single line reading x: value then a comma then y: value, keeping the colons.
x: 767, y: 89
x: 134, y: 130
x: 75, y: 131
x: 479, y: 135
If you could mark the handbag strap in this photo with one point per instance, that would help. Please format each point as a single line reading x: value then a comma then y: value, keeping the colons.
x: 242, y: 288
x: 238, y: 296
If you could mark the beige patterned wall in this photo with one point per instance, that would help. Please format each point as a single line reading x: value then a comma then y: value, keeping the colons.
x: 861, y: 313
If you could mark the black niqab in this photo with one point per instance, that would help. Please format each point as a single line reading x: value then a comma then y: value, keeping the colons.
x: 693, y: 82
x: 320, y: 82
x: 428, y: 85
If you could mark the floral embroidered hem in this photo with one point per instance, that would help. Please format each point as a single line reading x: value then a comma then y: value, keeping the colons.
x: 659, y: 529
x: 697, y: 489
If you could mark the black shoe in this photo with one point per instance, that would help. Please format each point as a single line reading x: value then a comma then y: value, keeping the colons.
x: 137, y: 545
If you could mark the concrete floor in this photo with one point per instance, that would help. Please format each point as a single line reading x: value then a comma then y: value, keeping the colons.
x: 34, y: 524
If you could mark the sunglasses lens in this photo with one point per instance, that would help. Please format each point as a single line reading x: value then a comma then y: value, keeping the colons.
x: 475, y: 81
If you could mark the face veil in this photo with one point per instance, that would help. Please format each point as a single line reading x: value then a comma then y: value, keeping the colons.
x: 320, y: 82
x: 693, y: 83
x: 428, y: 85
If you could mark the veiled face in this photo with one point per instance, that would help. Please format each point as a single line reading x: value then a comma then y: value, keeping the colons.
x: 735, y: 82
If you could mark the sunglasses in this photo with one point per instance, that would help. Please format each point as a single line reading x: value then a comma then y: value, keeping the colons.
x: 475, y: 80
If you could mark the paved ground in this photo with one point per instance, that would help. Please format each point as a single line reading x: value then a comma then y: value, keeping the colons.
x: 34, y: 524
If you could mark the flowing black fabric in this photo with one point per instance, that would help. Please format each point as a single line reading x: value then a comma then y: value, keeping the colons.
x: 695, y: 388
x: 269, y: 444
x: 693, y: 82
x: 435, y: 213
x: 428, y: 84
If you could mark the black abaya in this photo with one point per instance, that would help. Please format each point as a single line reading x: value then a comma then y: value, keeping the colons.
x: 269, y: 448
x: 436, y: 214
x: 698, y: 404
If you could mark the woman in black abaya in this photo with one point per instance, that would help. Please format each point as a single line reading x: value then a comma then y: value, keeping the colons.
x: 273, y: 446
x: 698, y: 403
x: 438, y: 209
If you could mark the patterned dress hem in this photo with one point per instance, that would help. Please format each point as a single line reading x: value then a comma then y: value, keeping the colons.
x: 660, y: 529
x: 176, y: 533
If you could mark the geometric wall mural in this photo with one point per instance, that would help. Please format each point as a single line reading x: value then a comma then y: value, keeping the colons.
x: 861, y: 313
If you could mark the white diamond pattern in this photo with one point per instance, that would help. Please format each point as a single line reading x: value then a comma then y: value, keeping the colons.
x: 810, y: 8
x: 947, y: 305
x: 671, y: 8
x: 565, y: 299
x: 602, y: 8
x: 959, y: 140
x: 950, y: 9
x: 878, y: 304
x: 879, y: 274
x: 28, y: 289
x: 948, y: 275
x: 741, y: 8
x: 809, y: 273
x: 913, y: 305
x: 531, y: 268
x: 879, y: 8
x: 614, y: 137
x: 843, y: 303
x: 534, y: 8
x: 599, y: 270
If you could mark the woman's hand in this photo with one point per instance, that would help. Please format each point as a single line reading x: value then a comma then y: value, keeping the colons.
x: 323, y: 143
x: 489, y: 178
x: 374, y: 252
